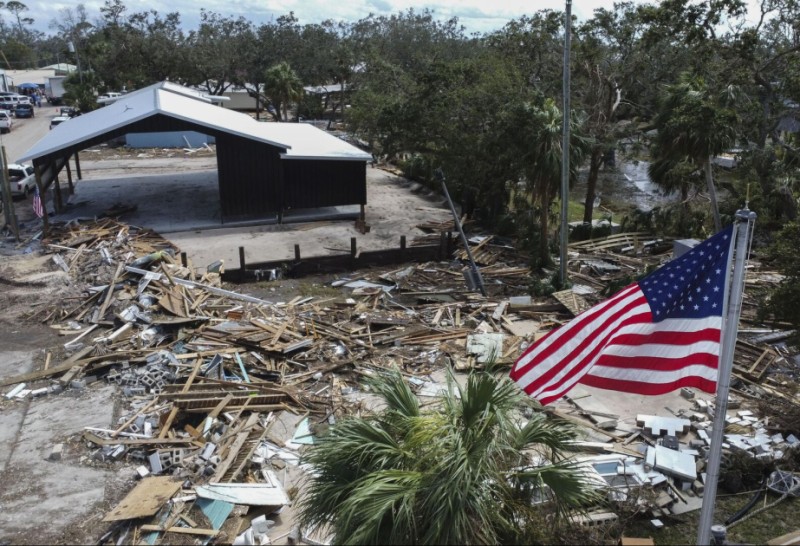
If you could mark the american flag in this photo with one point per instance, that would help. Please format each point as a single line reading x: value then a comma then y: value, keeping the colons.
x: 38, y: 206
x: 653, y: 337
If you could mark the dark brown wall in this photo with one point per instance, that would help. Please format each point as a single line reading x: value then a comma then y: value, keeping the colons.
x: 251, y: 173
x: 324, y: 183
x: 249, y: 177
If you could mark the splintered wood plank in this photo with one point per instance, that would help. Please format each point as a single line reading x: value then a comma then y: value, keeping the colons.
x: 572, y: 301
x: 181, y: 530
x: 145, y: 499
x: 173, y: 302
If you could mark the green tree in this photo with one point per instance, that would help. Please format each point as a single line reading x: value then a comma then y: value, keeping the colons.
x: 219, y: 51
x: 692, y: 125
x: 540, y: 145
x: 466, y: 472
x: 283, y: 86
x: 784, y: 302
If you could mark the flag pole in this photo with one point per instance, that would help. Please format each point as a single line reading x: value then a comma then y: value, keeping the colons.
x: 733, y: 302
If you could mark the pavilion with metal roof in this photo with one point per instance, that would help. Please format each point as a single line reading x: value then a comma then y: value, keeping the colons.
x: 263, y: 168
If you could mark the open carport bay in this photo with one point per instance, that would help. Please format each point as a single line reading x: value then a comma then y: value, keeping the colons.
x: 179, y: 198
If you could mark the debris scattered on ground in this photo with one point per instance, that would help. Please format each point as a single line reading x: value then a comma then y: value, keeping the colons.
x: 223, y: 391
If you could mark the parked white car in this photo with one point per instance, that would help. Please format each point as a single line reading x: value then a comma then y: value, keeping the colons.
x: 22, y: 178
x: 58, y: 120
x: 5, y: 122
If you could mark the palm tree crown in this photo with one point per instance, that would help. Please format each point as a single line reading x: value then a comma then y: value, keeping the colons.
x: 461, y: 473
x: 283, y: 86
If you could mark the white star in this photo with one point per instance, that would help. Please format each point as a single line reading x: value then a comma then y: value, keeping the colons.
x: 696, y: 307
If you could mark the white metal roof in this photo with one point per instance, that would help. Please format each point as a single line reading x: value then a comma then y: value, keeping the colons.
x: 300, y: 140
x: 308, y: 142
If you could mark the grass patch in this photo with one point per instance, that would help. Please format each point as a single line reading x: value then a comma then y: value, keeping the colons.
x: 575, y: 209
x: 771, y: 523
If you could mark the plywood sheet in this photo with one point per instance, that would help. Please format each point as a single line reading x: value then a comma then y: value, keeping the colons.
x: 145, y: 499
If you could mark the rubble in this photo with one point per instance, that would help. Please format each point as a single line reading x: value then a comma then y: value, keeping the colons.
x: 223, y: 390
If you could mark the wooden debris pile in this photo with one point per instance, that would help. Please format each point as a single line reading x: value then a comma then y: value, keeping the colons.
x: 209, y: 374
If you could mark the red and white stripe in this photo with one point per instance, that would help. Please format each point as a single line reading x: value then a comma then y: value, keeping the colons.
x: 616, y: 345
x: 38, y: 206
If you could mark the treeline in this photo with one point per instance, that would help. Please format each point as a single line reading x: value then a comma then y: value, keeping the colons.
x: 682, y: 80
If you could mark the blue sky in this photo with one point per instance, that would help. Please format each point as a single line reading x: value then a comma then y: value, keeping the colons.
x: 475, y: 15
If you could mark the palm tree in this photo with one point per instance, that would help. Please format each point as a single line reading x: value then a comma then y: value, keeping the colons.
x: 540, y: 140
x: 692, y: 125
x: 283, y: 86
x: 461, y: 473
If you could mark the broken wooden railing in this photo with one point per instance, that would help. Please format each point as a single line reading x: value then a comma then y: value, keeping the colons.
x: 333, y: 263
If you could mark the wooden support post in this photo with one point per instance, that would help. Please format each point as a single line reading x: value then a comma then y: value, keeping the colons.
x: 184, y: 260
x: 363, y: 214
x: 353, y: 247
x: 297, y: 253
x: 78, y: 166
x: 59, y: 201
x: 39, y: 185
x: 9, y: 211
x: 69, y: 179
x: 402, y: 242
x: 242, y: 263
x: 443, y: 245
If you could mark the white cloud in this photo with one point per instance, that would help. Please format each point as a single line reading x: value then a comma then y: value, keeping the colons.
x: 475, y: 15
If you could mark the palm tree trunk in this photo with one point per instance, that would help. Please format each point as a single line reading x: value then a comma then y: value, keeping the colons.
x: 712, y: 193
x: 544, y: 224
x: 591, y: 184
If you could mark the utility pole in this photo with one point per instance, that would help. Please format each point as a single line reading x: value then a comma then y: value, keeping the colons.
x: 476, y: 273
x: 73, y: 49
x: 9, y: 212
x: 565, y: 148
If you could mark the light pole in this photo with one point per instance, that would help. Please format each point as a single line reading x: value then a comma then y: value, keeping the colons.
x: 565, y: 149
x: 72, y: 49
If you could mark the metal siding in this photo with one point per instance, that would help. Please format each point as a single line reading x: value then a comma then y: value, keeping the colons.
x: 249, y: 177
x: 324, y: 183
x: 251, y: 173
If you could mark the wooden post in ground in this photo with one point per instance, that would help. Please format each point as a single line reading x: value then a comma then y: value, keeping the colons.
x: 69, y: 179
x: 241, y: 263
x: 78, y: 166
x: 353, y: 247
x: 9, y: 212
x: 39, y: 185
x: 297, y: 253
x: 59, y: 202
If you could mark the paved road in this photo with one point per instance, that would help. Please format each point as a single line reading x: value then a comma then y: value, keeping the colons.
x: 26, y: 132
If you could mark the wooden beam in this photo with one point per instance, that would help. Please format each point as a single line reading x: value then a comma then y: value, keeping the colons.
x: 181, y: 530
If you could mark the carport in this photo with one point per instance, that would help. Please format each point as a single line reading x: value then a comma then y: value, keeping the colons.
x: 262, y: 168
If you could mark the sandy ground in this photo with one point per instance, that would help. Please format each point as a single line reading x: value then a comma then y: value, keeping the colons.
x: 178, y: 197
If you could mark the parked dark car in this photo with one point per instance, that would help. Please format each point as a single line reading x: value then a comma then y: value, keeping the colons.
x: 69, y: 111
x: 24, y: 110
